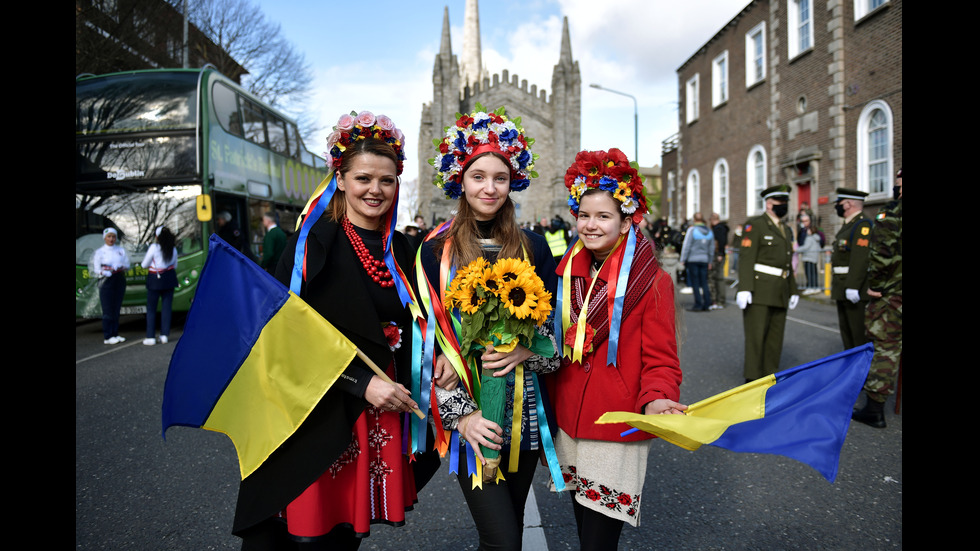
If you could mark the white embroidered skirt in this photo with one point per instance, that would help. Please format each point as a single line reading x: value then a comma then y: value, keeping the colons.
x: 605, y: 476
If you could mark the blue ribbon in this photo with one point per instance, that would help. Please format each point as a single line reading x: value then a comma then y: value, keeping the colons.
x: 454, y: 452
x: 420, y: 379
x: 621, y: 283
x: 296, y: 279
x: 549, y: 446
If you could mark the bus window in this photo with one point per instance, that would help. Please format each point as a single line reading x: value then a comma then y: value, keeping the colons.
x: 254, y: 122
x: 277, y: 133
x: 226, y: 108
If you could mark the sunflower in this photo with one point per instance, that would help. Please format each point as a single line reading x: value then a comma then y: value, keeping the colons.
x: 489, y: 280
x: 543, y: 308
x: 470, y: 299
x: 520, y: 295
x: 507, y: 269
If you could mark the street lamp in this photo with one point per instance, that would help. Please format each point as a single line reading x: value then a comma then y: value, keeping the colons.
x: 636, y: 120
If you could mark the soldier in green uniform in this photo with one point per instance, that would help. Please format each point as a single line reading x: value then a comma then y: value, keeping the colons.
x: 766, y: 286
x: 884, y: 314
x: 849, y: 286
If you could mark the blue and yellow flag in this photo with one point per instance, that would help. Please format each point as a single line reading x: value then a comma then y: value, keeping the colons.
x: 802, y: 413
x: 254, y: 359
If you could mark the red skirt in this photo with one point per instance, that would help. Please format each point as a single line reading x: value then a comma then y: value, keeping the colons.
x: 371, y: 482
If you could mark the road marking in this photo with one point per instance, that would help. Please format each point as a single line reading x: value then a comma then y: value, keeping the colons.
x: 811, y: 324
x: 110, y: 351
x: 533, y: 531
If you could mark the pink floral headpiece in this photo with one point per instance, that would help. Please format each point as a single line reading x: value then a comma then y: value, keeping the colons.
x: 358, y: 126
x: 610, y: 171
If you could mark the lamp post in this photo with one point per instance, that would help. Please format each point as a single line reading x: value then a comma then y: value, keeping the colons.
x: 636, y: 120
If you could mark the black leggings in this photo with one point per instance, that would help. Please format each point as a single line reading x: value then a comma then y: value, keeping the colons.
x: 498, y: 509
x: 596, y: 531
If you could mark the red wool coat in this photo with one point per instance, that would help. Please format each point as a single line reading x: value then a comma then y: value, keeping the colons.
x: 647, y: 365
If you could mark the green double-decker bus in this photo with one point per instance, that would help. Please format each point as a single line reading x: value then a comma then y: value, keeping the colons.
x: 179, y: 147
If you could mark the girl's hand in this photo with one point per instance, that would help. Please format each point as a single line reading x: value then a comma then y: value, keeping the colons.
x: 664, y: 407
x: 444, y: 375
x: 480, y: 432
x: 504, y: 362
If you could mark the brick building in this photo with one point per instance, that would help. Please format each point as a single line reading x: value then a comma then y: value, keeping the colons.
x: 127, y: 35
x: 802, y: 92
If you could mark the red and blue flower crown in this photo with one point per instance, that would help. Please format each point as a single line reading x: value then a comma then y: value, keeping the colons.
x: 358, y: 126
x: 477, y: 133
x: 610, y: 171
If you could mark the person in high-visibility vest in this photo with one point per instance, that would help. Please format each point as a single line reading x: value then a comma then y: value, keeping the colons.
x: 557, y: 237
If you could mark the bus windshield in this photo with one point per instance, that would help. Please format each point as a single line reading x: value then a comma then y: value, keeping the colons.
x: 136, y: 103
x: 137, y: 128
x: 136, y: 215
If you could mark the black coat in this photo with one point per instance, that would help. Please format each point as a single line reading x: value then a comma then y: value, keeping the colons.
x: 326, y: 433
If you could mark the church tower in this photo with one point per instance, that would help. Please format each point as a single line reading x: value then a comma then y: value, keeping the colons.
x: 554, y: 123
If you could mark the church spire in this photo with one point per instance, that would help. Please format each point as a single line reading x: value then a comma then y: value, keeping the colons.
x: 471, y: 66
x: 445, y: 46
x: 566, y: 45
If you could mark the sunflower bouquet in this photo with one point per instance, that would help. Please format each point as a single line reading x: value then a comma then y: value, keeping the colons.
x: 499, y: 305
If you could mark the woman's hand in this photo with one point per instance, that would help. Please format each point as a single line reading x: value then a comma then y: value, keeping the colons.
x: 389, y: 397
x: 445, y: 375
x: 504, y: 362
x: 664, y: 407
x: 480, y: 432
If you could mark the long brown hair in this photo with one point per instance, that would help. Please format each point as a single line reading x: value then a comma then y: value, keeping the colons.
x: 464, y: 231
x: 337, y: 208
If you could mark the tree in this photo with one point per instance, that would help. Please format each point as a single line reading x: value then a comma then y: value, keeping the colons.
x: 277, y: 73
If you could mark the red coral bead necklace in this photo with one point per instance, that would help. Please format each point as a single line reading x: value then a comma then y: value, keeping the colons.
x: 376, y: 269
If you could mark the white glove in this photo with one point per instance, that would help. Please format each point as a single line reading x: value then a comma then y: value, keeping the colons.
x: 793, y: 301
x: 743, y: 299
x: 106, y: 273
x: 852, y: 295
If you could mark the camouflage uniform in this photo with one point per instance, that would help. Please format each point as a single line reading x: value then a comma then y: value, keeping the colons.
x: 884, y: 315
x: 850, y: 261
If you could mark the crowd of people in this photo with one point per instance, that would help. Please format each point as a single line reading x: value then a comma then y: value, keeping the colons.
x: 610, y: 340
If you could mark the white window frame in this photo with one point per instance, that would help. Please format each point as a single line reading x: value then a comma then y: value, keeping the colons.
x: 693, y: 199
x: 864, y: 160
x: 692, y: 90
x: 721, y: 189
x: 796, y: 24
x: 751, y: 56
x: 753, y: 201
x: 864, y: 7
x: 719, y: 80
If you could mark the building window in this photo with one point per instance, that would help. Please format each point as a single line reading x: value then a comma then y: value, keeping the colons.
x: 719, y: 189
x: 800, y: 27
x: 755, y: 178
x: 691, y: 99
x: 719, y: 80
x: 671, y: 194
x: 755, y: 54
x: 874, y: 149
x: 864, y: 7
x: 693, y: 193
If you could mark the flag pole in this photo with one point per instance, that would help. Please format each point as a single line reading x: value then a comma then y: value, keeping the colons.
x: 377, y: 370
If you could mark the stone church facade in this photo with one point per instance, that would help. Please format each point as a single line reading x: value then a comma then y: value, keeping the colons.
x: 553, y: 121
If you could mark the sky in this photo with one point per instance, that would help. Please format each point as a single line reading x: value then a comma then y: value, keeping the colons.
x: 377, y: 55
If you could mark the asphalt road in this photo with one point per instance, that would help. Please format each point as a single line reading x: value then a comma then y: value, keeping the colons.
x: 135, y: 490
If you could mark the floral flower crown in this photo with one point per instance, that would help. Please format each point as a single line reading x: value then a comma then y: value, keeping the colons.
x: 610, y: 171
x: 358, y: 126
x: 477, y: 133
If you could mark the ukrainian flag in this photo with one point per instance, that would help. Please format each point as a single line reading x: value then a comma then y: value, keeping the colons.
x: 254, y: 359
x: 802, y: 413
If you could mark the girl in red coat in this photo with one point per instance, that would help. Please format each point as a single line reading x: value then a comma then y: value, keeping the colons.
x: 620, y: 353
